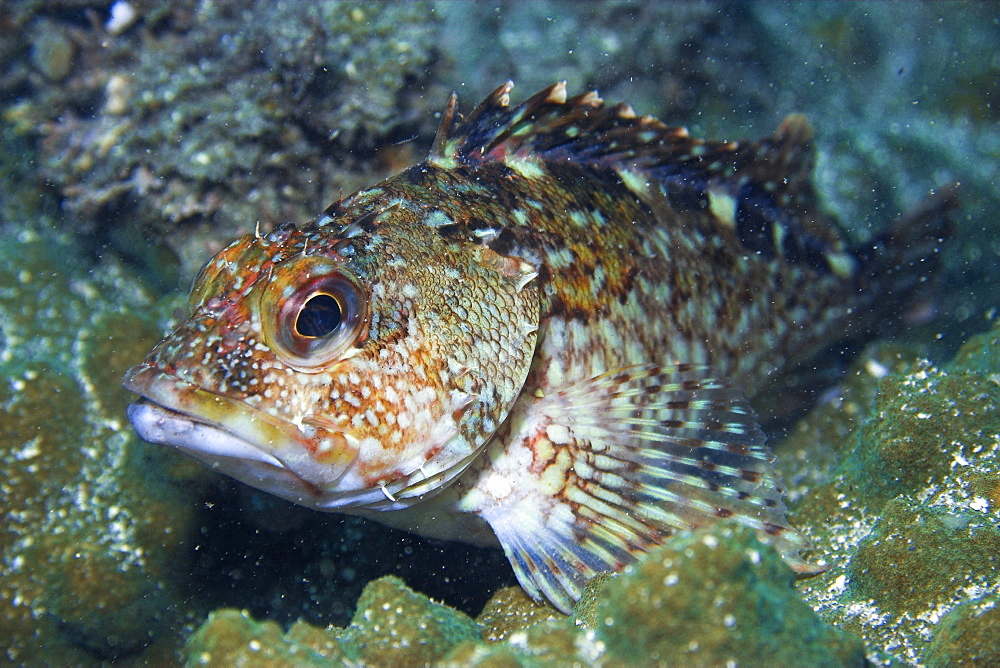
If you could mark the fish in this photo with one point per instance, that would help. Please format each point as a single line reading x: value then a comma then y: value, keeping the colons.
x: 543, y: 337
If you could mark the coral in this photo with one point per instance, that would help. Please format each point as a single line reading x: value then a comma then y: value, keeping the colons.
x: 52, y: 51
x: 909, y: 520
x: 922, y: 426
x: 980, y: 354
x: 967, y: 636
x: 91, y: 529
x: 890, y: 566
x: 713, y: 598
x: 349, y: 66
x: 708, y: 598
x: 395, y: 626
x: 815, y: 445
x: 231, y: 638
x: 510, y: 610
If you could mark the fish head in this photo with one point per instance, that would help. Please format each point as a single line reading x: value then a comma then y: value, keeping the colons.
x: 362, y: 362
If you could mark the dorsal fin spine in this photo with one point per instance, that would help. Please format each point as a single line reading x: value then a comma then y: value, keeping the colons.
x: 768, y: 180
x: 444, y: 128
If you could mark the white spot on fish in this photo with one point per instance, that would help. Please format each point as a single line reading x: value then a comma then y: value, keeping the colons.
x: 723, y: 205
x: 529, y: 169
x: 636, y: 182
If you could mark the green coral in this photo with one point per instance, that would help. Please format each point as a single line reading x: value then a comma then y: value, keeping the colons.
x: 231, y: 638
x: 816, y: 444
x: 980, y: 354
x: 713, y: 598
x: 705, y: 598
x: 922, y: 425
x: 890, y: 566
x: 967, y: 636
x: 394, y: 625
x: 510, y: 610
x: 909, y: 519
x: 708, y: 598
x: 91, y: 531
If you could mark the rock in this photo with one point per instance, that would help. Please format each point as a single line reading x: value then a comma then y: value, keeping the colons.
x: 967, y: 636
x: 712, y: 598
x: 393, y: 625
x: 232, y: 638
x: 908, y: 520
x: 510, y: 610
x: 918, y: 558
x: 93, y: 527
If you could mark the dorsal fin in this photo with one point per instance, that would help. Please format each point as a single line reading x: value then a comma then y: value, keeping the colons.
x: 762, y: 188
x: 548, y: 126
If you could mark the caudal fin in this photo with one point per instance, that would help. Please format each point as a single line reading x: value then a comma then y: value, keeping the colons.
x: 895, y: 287
x: 899, y: 263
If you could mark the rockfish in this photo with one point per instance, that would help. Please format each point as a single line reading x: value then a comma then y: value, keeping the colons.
x: 542, y: 337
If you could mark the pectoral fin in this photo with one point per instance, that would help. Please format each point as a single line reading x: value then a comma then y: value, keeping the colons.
x: 614, y: 465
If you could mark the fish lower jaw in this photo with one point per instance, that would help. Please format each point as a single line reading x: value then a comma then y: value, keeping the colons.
x: 176, y: 412
x: 236, y: 439
x: 223, y: 452
x: 158, y: 424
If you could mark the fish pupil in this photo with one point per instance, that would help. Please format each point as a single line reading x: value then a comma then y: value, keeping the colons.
x: 319, y: 316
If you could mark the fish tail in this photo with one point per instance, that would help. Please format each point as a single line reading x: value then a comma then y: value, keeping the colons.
x: 899, y: 264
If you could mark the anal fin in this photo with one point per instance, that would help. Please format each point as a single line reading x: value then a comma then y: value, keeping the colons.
x: 594, y: 475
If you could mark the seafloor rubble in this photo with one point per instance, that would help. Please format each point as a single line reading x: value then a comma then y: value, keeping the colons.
x: 133, y: 147
x: 202, y: 119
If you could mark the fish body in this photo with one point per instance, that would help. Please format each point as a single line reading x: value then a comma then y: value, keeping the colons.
x: 542, y: 337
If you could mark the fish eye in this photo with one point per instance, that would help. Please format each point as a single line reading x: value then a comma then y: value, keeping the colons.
x: 320, y: 316
x: 312, y: 312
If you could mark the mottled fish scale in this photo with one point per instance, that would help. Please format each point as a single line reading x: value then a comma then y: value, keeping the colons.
x: 542, y: 337
x: 731, y: 308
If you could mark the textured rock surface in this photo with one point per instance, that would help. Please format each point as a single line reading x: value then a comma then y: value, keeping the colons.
x: 206, y: 118
x: 967, y: 636
x: 392, y: 626
x: 232, y: 638
x: 909, y: 519
x: 510, y: 610
x: 714, y: 598
x: 708, y: 598
x: 90, y: 532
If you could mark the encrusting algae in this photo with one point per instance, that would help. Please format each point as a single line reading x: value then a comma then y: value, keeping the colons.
x: 91, y: 530
x: 908, y: 519
x: 734, y: 595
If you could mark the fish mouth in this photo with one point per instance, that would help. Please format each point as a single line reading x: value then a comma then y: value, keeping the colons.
x: 236, y: 439
x: 319, y: 469
x: 159, y: 424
